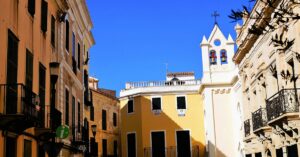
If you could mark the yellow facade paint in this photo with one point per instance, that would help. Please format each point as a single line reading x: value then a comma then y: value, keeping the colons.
x: 143, y: 121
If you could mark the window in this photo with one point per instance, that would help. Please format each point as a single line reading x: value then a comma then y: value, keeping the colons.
x: 67, y: 36
x: 223, y: 57
x: 73, y: 112
x: 78, y: 56
x: 217, y: 42
x: 115, y: 148
x: 104, y: 147
x: 31, y: 7
x: 181, y: 102
x: 44, y: 15
x: 27, y: 148
x: 103, y: 119
x: 10, y: 146
x: 53, y: 31
x: 92, y: 113
x: 212, y: 57
x: 78, y: 117
x: 67, y: 108
x: 130, y: 106
x: 73, y: 45
x: 156, y: 103
x: 115, y: 119
x: 29, y: 69
x: 42, y: 91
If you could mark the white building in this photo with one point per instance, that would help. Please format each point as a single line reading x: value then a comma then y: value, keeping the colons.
x: 221, y: 90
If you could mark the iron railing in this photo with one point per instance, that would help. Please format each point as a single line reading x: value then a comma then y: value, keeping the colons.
x: 247, y: 127
x: 131, y: 85
x: 19, y: 99
x: 259, y: 118
x: 172, y: 151
x: 285, y: 101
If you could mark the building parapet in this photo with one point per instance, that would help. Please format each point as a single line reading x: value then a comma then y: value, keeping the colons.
x: 143, y: 84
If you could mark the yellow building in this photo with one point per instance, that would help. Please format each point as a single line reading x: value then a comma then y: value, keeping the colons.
x: 103, y: 119
x: 163, y: 118
x: 43, y: 44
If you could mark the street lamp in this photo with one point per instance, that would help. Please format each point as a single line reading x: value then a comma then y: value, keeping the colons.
x: 94, y: 130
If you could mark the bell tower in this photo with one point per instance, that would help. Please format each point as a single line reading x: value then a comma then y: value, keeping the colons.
x: 217, y: 54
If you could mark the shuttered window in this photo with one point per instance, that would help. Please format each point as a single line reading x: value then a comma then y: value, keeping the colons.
x: 115, y: 119
x: 44, y: 15
x: 67, y: 108
x: 29, y: 69
x: 73, y: 45
x: 31, y: 7
x: 67, y: 38
x: 42, y: 92
x: 78, y: 56
x: 78, y: 117
x: 92, y: 113
x: 53, y: 31
x: 103, y: 119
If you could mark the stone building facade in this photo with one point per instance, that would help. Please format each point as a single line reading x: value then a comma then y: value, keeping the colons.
x: 270, y: 96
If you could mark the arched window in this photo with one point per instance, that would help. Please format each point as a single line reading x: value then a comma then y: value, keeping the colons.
x: 212, y: 57
x: 223, y: 57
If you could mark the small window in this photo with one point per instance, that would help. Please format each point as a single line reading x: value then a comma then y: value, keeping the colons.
x: 104, y: 120
x: 181, y: 102
x: 217, y: 42
x: 53, y: 31
x: 31, y: 7
x: 44, y: 16
x: 156, y: 103
x: 78, y: 56
x: 212, y: 57
x: 67, y: 107
x: 223, y: 57
x: 115, y: 119
x: 130, y: 106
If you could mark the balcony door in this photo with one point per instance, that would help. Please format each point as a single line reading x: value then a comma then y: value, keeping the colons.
x: 158, y: 144
x: 12, y: 74
x: 292, y: 151
x: 183, y: 144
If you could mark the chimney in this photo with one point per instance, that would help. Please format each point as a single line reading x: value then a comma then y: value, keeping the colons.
x: 93, y: 83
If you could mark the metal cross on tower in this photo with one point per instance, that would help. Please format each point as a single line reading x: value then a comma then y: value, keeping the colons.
x: 215, y: 14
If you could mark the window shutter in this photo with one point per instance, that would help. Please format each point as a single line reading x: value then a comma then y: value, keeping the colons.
x: 44, y: 16
x: 31, y: 7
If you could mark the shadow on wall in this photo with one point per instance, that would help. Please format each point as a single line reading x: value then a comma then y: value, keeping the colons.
x: 213, y: 151
x: 144, y: 120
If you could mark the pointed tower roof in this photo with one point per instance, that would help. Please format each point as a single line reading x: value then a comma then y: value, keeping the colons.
x: 216, y: 31
x: 230, y: 40
x: 204, y: 41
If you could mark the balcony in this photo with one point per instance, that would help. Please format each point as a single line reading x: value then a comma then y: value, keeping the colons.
x: 19, y: 108
x: 172, y: 151
x: 283, y: 104
x: 78, y: 142
x: 247, y: 127
x: 259, y: 119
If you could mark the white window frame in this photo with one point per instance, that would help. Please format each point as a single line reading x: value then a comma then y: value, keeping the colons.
x: 190, y: 133
x: 132, y: 106
x: 133, y: 132
x: 157, y: 112
x: 165, y: 136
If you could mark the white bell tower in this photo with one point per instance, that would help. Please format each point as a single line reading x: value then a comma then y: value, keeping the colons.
x: 217, y: 54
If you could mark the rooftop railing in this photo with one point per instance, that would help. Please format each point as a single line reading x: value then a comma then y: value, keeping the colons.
x: 131, y: 85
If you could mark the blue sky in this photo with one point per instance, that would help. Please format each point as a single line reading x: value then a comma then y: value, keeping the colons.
x: 135, y: 38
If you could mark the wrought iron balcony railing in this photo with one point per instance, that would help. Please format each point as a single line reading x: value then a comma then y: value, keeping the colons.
x: 247, y: 127
x: 19, y: 99
x: 172, y: 151
x: 285, y: 101
x: 259, y: 118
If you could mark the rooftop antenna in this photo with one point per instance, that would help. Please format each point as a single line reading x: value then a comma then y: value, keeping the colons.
x: 215, y: 15
x: 167, y: 70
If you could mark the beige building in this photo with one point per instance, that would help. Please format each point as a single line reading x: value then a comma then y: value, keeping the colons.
x: 104, y: 121
x: 44, y: 44
x: 270, y: 97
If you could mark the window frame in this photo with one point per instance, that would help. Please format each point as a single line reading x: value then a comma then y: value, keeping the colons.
x: 131, y: 99
x: 185, y: 97
x: 153, y: 97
